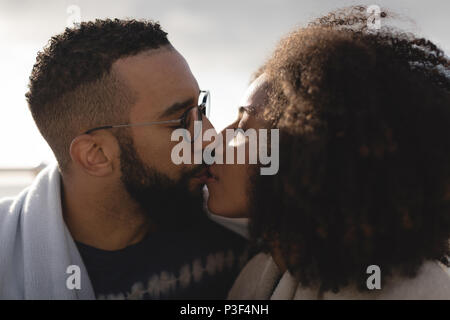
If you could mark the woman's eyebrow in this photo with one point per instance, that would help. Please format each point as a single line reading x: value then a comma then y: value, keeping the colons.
x: 241, y: 111
x: 248, y: 109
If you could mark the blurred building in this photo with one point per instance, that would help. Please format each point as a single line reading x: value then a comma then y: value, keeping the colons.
x: 14, y: 180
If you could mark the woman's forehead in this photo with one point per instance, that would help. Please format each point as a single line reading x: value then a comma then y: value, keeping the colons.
x: 256, y: 93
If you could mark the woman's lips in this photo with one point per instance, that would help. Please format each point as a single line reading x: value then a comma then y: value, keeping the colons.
x: 212, y: 175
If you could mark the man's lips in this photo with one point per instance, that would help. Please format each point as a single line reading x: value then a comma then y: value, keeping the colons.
x: 212, y: 174
x: 201, y: 172
x: 205, y: 176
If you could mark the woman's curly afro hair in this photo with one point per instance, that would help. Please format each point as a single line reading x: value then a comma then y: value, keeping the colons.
x: 364, y: 119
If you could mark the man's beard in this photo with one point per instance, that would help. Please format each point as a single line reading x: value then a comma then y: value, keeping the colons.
x: 168, y: 204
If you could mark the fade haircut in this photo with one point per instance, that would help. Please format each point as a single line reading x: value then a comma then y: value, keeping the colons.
x: 73, y: 87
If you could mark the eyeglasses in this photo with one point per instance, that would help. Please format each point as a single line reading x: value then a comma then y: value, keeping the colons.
x: 187, y: 120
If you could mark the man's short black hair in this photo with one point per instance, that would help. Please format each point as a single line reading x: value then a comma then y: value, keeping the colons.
x: 72, y: 87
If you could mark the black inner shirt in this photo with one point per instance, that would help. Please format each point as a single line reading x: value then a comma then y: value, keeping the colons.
x: 190, y: 264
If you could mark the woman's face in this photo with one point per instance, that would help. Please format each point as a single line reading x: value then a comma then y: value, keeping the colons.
x: 229, y: 190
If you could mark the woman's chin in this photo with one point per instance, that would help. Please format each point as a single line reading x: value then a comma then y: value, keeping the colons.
x: 221, y: 208
x: 222, y: 202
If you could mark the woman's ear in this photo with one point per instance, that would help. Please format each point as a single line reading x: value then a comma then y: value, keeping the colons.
x: 92, y: 154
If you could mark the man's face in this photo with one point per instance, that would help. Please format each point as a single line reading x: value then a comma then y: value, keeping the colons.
x: 165, y: 88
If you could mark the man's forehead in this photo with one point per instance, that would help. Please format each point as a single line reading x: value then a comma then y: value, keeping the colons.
x: 159, y: 77
x: 156, y: 66
x: 130, y: 62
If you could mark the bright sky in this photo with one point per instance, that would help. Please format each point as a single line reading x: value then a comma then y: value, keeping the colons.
x: 223, y: 41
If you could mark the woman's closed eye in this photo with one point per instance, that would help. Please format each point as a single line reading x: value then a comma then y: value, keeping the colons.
x: 239, y: 127
x: 239, y: 124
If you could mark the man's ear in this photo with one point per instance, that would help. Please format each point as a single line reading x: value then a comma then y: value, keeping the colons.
x: 92, y: 154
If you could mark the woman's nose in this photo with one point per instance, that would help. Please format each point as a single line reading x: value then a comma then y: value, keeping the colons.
x: 225, y: 144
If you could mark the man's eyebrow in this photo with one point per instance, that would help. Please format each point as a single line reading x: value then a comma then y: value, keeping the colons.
x: 176, y: 107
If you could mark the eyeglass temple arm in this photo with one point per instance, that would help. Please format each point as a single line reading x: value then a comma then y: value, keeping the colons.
x: 132, y: 125
x: 98, y: 128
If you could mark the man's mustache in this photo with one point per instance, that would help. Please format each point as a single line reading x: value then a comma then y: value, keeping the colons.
x: 198, y: 170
